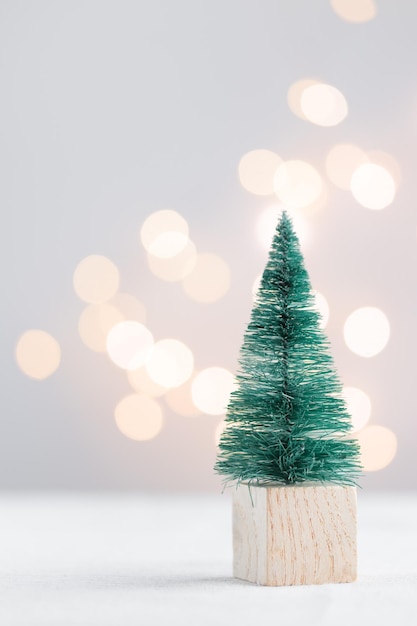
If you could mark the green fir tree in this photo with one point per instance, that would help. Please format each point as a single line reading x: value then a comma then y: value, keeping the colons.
x: 287, y: 422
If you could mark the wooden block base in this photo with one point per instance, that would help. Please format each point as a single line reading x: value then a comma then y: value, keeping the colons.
x: 294, y: 535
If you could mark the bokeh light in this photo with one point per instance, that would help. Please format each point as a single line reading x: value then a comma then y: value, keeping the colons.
x: 129, y: 307
x: 138, y: 417
x: 256, y: 171
x: 211, y: 389
x: 38, y: 354
x: 210, y: 279
x: 168, y: 245
x: 295, y: 93
x: 96, y: 279
x: 141, y: 382
x: 323, y: 308
x: 164, y: 234
x: 341, y: 163
x: 366, y: 331
x: 359, y: 406
x: 170, y: 363
x: 378, y: 447
x: 176, y: 268
x: 180, y: 401
x: 267, y: 223
x: 373, y: 186
x: 387, y: 161
x: 323, y: 105
x: 129, y: 344
x: 358, y: 11
x: 95, y: 323
x: 297, y: 184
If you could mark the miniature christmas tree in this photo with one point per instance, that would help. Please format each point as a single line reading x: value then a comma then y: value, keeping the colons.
x: 287, y: 421
x: 286, y: 443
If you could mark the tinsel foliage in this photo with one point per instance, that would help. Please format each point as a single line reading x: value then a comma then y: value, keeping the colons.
x: 287, y: 422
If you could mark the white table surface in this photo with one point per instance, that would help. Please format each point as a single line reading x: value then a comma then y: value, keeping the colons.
x: 135, y: 559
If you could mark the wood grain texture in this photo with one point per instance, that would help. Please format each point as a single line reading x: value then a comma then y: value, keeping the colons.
x: 294, y: 535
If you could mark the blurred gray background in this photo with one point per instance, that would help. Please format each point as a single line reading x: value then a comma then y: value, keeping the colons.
x: 113, y: 110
